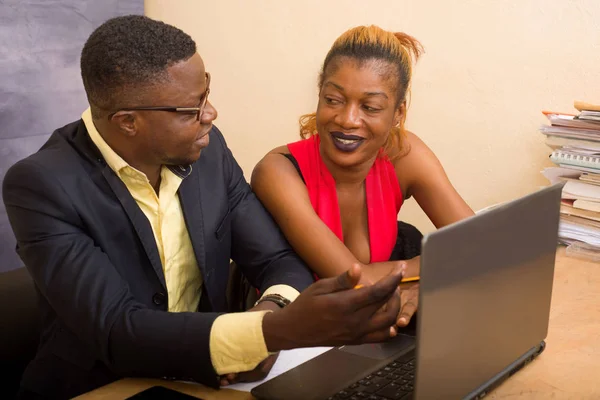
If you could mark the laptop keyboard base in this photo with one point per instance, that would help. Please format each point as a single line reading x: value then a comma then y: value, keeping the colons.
x: 393, y: 381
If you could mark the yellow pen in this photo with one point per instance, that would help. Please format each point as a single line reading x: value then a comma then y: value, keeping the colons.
x: 410, y: 279
x: 404, y: 280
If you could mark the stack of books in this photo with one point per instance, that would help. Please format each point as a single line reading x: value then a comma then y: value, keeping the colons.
x: 574, y: 140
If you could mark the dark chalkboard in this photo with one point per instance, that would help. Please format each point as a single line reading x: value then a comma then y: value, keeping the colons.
x: 40, y: 81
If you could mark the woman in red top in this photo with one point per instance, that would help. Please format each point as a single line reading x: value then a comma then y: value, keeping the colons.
x: 336, y: 193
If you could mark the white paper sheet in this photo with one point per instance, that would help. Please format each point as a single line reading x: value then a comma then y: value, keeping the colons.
x: 554, y: 174
x: 287, y: 360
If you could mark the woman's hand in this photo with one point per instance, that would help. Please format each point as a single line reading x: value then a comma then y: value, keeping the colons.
x: 409, y: 302
x: 409, y: 292
x: 375, y: 271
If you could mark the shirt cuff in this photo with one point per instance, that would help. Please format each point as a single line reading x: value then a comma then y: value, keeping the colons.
x: 237, y: 343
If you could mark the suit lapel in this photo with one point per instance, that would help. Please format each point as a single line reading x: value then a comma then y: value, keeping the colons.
x: 142, y: 226
x: 138, y: 219
x: 191, y: 203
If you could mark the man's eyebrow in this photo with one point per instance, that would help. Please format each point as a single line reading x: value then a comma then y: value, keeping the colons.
x: 203, y: 95
x: 200, y: 98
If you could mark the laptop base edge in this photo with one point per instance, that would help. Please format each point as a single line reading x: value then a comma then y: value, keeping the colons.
x: 509, y: 371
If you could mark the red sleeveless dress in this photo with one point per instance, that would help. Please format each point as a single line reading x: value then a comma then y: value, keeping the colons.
x: 384, y: 197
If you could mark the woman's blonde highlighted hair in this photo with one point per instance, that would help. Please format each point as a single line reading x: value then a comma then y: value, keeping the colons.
x: 364, y: 43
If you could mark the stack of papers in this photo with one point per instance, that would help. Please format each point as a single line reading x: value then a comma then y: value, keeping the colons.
x: 574, y: 140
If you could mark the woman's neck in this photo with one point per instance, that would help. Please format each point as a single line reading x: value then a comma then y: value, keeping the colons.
x: 351, y: 175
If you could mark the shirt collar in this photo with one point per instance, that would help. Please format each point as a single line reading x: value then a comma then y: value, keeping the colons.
x: 115, y: 161
x: 181, y: 171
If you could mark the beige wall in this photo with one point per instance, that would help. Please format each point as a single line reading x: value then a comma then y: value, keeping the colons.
x: 489, y: 69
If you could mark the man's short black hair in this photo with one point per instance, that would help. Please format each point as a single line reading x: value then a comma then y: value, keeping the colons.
x: 126, y: 54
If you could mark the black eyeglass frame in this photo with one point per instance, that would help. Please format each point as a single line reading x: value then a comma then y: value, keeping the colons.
x: 198, y: 110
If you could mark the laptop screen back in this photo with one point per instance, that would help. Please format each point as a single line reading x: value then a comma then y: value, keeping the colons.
x: 486, y: 284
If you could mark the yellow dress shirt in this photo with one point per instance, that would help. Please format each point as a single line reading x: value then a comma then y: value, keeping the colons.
x: 236, y: 340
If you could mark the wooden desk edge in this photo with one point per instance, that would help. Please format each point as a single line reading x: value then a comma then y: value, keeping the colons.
x: 531, y: 382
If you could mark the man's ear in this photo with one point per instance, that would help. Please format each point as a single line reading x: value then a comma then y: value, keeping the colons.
x: 125, y: 122
x: 400, y: 114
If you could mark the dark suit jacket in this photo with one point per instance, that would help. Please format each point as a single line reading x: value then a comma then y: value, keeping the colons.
x: 94, y: 260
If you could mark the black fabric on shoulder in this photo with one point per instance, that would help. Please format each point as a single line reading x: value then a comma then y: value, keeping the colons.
x: 408, y: 242
x: 295, y: 163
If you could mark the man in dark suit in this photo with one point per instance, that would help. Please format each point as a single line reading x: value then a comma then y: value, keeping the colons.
x: 128, y: 232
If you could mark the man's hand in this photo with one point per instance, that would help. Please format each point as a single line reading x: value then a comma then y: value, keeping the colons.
x: 259, y: 373
x: 331, y: 312
x: 409, y: 302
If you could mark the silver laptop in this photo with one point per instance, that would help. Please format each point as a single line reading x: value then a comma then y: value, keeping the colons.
x: 484, y: 303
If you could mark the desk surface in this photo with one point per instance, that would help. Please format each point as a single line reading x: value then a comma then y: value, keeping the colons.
x: 569, y: 368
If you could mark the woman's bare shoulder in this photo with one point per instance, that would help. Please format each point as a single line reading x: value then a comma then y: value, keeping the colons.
x: 413, y: 149
x: 272, y: 166
x: 413, y: 162
x: 279, y: 150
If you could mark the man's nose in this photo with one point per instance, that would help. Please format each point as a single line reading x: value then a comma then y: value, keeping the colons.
x: 209, y: 114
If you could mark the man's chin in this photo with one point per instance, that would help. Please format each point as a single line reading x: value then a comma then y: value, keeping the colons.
x: 183, y: 161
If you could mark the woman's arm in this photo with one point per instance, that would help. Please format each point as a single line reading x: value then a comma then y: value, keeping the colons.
x: 280, y: 188
x: 422, y: 176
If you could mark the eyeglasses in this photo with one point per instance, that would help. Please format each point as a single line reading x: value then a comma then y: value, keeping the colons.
x: 198, y: 110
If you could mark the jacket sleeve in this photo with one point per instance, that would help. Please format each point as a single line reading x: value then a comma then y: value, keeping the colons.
x: 258, y: 245
x: 87, y: 293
